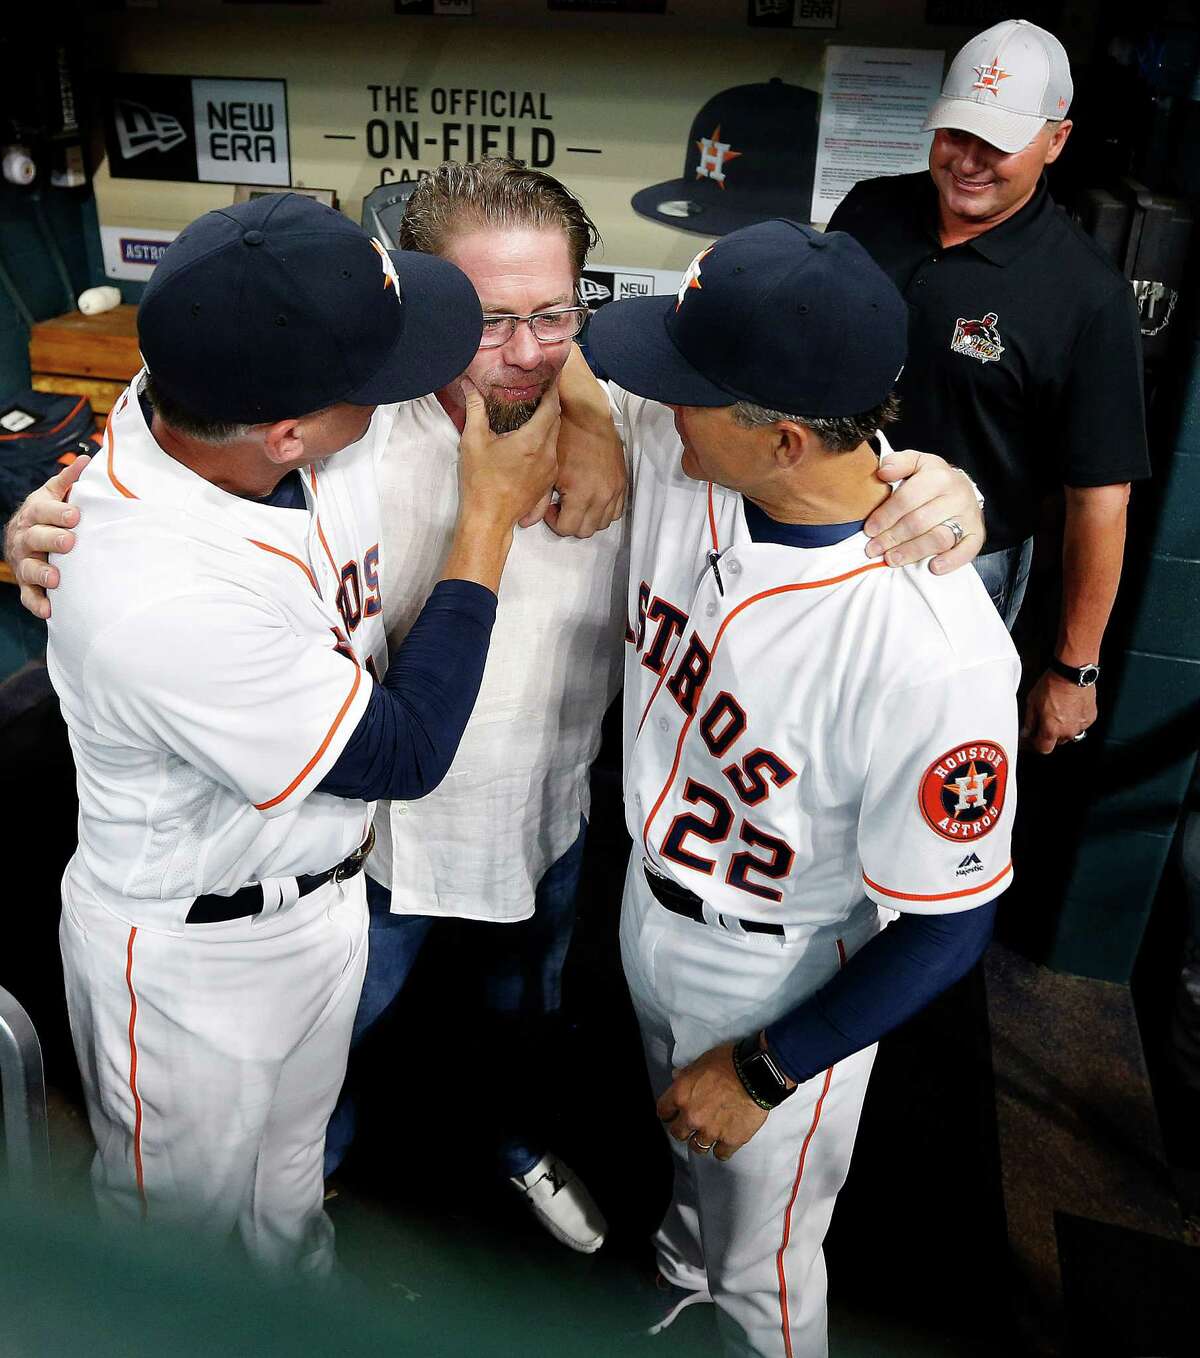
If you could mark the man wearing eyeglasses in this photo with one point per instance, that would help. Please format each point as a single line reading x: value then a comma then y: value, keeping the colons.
x: 504, y: 847
x: 501, y: 841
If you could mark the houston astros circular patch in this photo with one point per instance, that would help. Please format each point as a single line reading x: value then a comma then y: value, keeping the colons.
x: 962, y: 791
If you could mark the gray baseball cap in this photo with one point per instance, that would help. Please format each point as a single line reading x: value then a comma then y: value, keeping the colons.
x: 1005, y: 85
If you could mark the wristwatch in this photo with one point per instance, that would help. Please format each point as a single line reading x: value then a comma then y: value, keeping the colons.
x: 763, y: 1080
x: 1084, y: 676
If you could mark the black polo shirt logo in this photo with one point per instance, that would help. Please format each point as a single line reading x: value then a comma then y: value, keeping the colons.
x: 978, y: 339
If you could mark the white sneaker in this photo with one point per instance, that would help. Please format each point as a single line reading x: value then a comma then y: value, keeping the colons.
x: 562, y: 1204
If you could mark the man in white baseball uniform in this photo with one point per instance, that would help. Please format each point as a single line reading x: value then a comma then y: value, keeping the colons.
x: 217, y: 645
x: 813, y: 744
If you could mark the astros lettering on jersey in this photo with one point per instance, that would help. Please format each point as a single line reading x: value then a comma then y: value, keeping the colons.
x: 789, y: 712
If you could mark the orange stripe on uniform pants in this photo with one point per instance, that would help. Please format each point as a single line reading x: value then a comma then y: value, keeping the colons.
x: 133, y: 1070
x: 787, y: 1219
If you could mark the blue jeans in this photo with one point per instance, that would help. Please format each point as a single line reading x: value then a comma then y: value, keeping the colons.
x: 520, y: 966
x: 1005, y: 574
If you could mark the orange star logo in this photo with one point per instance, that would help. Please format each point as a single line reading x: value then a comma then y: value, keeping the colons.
x: 691, y: 279
x: 971, y: 789
x: 714, y: 154
x: 389, y: 279
x: 990, y: 76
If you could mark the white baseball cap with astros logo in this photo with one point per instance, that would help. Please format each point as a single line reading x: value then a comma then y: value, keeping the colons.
x: 1005, y: 85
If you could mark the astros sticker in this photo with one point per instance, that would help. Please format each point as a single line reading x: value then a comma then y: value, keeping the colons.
x: 962, y: 792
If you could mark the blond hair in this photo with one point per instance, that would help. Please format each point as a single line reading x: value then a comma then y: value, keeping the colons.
x: 494, y: 192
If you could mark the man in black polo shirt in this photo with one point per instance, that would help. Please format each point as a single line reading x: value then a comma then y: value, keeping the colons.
x: 1024, y: 362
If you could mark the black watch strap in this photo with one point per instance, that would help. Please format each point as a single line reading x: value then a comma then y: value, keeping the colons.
x: 763, y: 1080
x: 1082, y: 675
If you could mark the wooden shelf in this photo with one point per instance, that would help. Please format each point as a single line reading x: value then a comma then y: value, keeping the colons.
x: 79, y: 347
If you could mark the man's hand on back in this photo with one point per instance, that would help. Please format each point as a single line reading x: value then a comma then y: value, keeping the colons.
x: 591, y: 476
x: 36, y: 530
x: 911, y: 524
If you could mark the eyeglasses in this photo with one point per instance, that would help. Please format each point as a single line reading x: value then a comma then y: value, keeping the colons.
x: 548, y: 327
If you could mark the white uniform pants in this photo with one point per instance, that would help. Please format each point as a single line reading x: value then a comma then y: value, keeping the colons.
x: 749, y: 1229
x: 211, y: 1060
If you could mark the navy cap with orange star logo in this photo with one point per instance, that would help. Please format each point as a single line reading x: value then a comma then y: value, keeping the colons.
x: 750, y: 156
x: 777, y: 313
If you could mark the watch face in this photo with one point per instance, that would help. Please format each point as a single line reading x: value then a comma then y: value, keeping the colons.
x: 1088, y: 675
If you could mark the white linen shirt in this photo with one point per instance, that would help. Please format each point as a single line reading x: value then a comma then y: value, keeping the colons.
x: 510, y: 806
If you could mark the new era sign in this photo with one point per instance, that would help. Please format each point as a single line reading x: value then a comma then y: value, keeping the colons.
x: 198, y: 129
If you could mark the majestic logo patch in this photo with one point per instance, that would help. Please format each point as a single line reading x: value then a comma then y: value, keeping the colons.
x: 962, y: 792
x: 972, y: 863
x: 713, y: 154
x: 977, y: 339
x: 691, y: 279
x: 990, y: 77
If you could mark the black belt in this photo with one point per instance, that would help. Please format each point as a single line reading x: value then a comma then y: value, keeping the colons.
x: 247, y: 901
x: 680, y: 901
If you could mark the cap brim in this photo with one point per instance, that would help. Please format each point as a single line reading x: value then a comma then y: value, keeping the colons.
x: 631, y: 344
x: 443, y: 324
x: 1001, y: 128
x: 676, y: 202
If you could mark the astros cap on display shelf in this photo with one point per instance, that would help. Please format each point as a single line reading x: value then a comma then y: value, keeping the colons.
x: 1005, y: 85
x: 750, y: 156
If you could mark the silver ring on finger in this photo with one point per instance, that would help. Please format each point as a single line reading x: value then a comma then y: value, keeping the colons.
x: 702, y: 1148
x: 1081, y: 736
x: 957, y: 529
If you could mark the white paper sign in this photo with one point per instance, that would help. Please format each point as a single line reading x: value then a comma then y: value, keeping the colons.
x: 133, y: 251
x: 873, y: 103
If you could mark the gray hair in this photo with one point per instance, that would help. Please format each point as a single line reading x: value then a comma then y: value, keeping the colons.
x: 493, y: 192
x: 838, y: 433
x: 203, y: 430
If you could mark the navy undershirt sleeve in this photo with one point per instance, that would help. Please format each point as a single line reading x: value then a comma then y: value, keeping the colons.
x: 887, y: 981
x: 407, y: 738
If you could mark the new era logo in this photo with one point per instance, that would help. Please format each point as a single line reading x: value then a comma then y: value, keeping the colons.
x: 593, y: 293
x: 139, y: 129
x: 972, y: 863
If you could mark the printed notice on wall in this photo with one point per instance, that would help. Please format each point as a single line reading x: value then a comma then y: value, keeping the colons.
x: 873, y: 103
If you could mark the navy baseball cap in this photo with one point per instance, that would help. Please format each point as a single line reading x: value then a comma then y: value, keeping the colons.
x: 750, y: 156
x: 777, y: 314
x: 281, y: 306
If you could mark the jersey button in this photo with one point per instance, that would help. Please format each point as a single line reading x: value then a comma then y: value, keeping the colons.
x: 735, y: 568
x: 709, y: 609
x: 400, y: 808
x: 663, y: 724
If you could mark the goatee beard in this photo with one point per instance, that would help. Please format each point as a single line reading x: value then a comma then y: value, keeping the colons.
x: 507, y: 416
